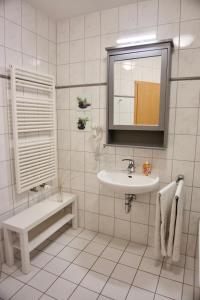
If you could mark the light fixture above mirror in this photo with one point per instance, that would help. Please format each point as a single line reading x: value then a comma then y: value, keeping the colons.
x: 137, y: 39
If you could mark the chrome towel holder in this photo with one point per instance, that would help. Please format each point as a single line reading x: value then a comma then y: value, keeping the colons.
x: 180, y: 177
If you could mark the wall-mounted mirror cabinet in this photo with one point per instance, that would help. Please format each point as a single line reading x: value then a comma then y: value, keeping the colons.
x: 138, y: 94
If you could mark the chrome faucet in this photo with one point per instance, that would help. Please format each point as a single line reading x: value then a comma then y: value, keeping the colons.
x: 131, y: 165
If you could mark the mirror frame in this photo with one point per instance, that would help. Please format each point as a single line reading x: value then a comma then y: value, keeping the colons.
x: 159, y: 48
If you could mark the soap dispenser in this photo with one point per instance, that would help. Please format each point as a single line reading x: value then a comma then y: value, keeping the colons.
x: 146, y: 168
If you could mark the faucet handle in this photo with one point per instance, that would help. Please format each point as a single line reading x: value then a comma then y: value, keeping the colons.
x: 129, y: 159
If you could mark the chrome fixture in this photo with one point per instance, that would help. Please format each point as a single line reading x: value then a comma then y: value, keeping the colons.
x: 128, y: 202
x: 43, y: 185
x: 180, y: 177
x: 131, y: 165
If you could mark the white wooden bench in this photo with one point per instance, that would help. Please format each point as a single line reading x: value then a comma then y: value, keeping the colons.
x: 28, y: 219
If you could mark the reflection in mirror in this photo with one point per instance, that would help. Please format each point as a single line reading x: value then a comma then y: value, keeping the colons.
x: 137, y: 91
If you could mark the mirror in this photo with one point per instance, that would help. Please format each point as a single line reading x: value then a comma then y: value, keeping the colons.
x: 137, y: 91
x: 138, y: 94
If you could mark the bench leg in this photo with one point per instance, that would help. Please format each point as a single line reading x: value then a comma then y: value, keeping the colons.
x: 25, y: 256
x: 75, y: 213
x: 9, y: 251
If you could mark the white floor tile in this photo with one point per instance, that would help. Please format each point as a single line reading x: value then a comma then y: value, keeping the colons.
x: 85, y: 260
x: 188, y: 292
x: 196, y: 293
x: 62, y: 238
x: 102, y: 239
x: 169, y: 288
x: 150, y: 252
x: 87, y: 234
x: 9, y: 270
x: 189, y: 263
x: 69, y: 254
x: 172, y: 272
x: 103, y: 266
x: 40, y: 259
x: 94, y: 281
x: 52, y: 248
x: 74, y: 232
x: 139, y: 294
x: 136, y: 248
x: 122, y: 267
x: 146, y: 281
x: 42, y: 281
x: 78, y: 243
x: 81, y: 293
x: 189, y: 277
x: 9, y: 287
x: 131, y: 260
x: 124, y: 273
x: 3, y: 276
x: 25, y: 277
x: 57, y: 266
x: 27, y: 292
x: 61, y: 289
x: 46, y: 297
x: 118, y: 244
x: 112, y: 254
x: 150, y: 265
x: 74, y: 273
x: 95, y: 248
x: 116, y: 289
x: 159, y: 297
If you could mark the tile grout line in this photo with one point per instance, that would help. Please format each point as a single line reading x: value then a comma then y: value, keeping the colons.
x: 109, y: 277
x: 136, y: 272
x: 89, y: 241
x: 159, y: 276
x: 40, y: 269
x: 90, y: 269
x: 71, y: 262
x: 83, y: 267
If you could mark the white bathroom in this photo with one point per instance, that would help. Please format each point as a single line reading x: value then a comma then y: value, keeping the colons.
x: 99, y: 149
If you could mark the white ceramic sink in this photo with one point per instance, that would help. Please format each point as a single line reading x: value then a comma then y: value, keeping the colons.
x: 123, y: 182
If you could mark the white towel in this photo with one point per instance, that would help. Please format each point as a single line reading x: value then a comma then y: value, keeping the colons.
x: 163, y: 214
x: 174, y: 243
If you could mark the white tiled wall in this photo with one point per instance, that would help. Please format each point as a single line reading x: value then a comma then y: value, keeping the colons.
x: 82, y: 59
x: 27, y: 39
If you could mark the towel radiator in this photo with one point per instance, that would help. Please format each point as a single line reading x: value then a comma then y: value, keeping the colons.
x: 34, y: 128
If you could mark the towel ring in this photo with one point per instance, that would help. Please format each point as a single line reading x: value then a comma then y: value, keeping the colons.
x: 180, y: 177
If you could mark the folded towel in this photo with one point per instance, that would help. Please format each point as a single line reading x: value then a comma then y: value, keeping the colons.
x: 162, y: 222
x: 176, y: 221
x: 172, y: 227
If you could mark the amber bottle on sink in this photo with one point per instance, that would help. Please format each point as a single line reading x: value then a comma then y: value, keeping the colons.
x: 146, y: 168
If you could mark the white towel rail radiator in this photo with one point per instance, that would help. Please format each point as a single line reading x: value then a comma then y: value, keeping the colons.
x: 34, y: 128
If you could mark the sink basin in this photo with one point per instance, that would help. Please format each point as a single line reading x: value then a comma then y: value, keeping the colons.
x: 123, y: 182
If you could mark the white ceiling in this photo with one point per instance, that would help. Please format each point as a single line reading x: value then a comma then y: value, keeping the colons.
x: 59, y: 9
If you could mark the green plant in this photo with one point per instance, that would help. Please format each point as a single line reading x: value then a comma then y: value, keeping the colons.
x: 82, y: 122
x: 82, y: 102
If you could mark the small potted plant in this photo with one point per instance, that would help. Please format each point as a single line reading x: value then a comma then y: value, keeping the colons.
x: 82, y: 123
x: 83, y: 103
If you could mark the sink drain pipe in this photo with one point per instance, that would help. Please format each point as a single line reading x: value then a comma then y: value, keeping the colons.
x: 128, y: 202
